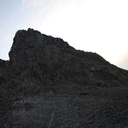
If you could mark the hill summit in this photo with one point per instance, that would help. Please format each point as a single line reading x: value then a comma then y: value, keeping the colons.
x: 42, y: 66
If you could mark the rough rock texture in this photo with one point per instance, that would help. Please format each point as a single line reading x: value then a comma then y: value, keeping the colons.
x: 49, y: 84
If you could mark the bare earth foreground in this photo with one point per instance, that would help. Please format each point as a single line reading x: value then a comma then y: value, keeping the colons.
x: 49, y: 84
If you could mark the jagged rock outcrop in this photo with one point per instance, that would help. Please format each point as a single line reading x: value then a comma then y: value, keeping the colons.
x: 47, y: 70
x: 50, y: 61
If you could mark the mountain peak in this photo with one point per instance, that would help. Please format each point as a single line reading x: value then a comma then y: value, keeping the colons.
x: 30, y: 47
x: 34, y: 36
x: 36, y: 53
x: 46, y: 75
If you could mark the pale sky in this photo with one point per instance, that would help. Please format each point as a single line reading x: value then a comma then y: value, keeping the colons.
x: 99, y: 26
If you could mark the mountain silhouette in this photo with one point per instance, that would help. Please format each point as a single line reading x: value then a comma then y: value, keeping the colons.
x: 46, y: 83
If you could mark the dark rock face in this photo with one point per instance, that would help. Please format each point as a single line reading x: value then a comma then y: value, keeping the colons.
x: 37, y: 56
x: 48, y: 79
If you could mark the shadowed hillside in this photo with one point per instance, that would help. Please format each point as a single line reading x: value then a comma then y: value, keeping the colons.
x: 47, y: 83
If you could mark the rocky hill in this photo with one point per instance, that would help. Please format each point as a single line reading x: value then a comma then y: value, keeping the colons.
x: 49, y: 84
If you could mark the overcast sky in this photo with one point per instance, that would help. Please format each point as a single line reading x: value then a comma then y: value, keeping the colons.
x: 99, y: 26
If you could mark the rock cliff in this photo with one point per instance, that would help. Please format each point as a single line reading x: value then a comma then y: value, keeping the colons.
x: 48, y: 79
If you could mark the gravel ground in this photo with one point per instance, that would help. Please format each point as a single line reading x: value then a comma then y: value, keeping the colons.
x: 105, y: 108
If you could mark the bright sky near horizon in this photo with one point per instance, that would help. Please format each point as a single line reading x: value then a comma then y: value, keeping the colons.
x: 99, y: 26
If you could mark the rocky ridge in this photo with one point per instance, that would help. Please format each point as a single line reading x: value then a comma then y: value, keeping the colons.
x: 44, y: 69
